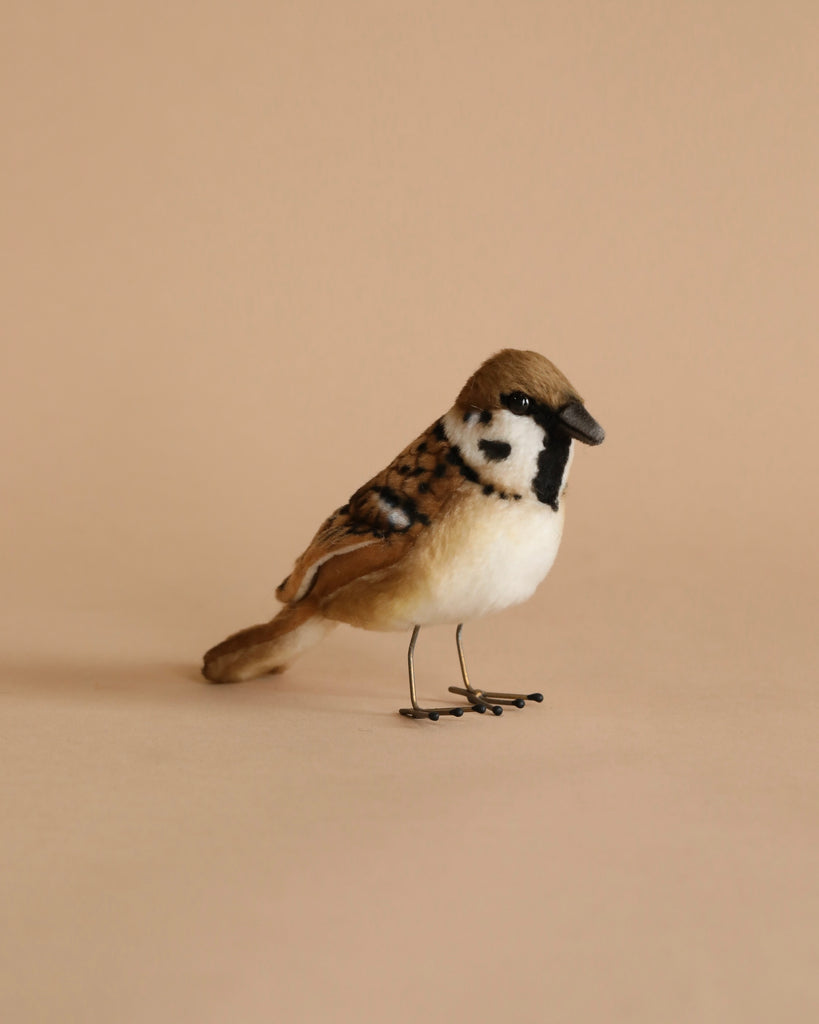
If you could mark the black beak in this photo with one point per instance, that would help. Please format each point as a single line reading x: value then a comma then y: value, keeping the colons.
x: 579, y: 424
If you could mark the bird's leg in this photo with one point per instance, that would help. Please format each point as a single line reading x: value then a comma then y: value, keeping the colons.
x: 487, y: 697
x: 416, y: 711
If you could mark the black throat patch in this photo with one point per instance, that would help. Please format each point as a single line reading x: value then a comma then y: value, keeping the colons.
x: 551, y: 465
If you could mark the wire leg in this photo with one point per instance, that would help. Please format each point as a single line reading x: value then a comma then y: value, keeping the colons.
x: 416, y: 711
x: 490, y: 698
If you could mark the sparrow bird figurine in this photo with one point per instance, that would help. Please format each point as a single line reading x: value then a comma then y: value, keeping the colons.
x: 466, y: 520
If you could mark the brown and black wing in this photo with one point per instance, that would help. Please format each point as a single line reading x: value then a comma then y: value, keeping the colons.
x: 380, y: 523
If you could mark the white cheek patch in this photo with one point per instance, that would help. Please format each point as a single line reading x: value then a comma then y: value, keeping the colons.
x: 515, y: 473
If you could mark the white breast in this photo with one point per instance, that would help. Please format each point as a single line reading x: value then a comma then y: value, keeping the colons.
x: 485, y: 555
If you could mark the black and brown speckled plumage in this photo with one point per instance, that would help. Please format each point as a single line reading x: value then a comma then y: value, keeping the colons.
x: 416, y: 484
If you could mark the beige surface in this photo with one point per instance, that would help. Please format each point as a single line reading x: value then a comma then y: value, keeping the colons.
x: 252, y: 249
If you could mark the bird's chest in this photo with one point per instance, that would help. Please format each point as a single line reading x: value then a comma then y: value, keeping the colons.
x: 484, y: 555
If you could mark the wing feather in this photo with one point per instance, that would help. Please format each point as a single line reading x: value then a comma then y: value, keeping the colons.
x: 380, y: 523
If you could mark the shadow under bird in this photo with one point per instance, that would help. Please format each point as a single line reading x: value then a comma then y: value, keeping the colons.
x: 465, y: 521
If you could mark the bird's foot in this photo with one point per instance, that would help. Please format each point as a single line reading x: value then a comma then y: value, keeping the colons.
x: 433, y: 714
x: 494, y: 700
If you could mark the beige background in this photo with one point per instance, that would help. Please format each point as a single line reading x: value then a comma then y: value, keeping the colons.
x: 250, y: 250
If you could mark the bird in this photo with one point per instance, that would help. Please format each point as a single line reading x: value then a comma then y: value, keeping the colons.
x: 465, y: 521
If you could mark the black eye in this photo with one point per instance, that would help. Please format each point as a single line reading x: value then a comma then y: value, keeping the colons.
x: 518, y: 403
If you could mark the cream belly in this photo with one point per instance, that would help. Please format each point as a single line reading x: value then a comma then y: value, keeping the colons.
x: 485, y: 555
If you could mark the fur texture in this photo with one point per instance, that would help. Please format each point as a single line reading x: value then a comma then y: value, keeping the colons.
x: 464, y: 521
x: 269, y: 647
x: 517, y: 370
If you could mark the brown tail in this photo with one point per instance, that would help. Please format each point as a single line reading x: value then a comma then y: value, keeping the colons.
x: 269, y: 647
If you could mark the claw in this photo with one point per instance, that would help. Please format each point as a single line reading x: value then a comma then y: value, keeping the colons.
x: 480, y: 701
x: 434, y: 714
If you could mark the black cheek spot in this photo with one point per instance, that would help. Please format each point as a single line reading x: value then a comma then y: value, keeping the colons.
x: 404, y: 469
x: 422, y: 447
x: 488, y: 489
x: 439, y: 432
x: 495, y: 451
x: 440, y: 470
x: 418, y: 471
x: 486, y: 417
x: 503, y: 496
x: 422, y: 518
x: 423, y: 488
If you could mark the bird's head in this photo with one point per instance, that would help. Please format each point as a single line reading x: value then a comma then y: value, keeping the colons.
x: 515, y: 420
x: 528, y: 384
